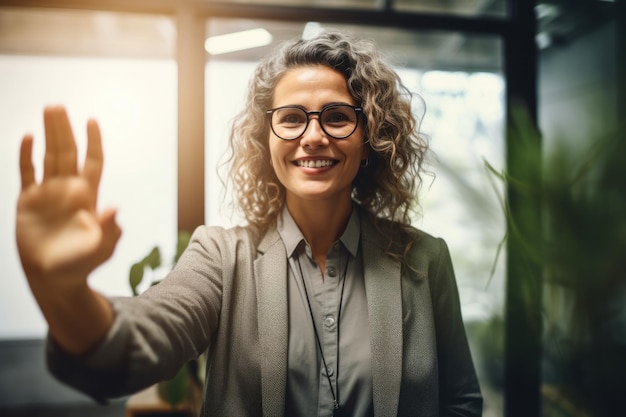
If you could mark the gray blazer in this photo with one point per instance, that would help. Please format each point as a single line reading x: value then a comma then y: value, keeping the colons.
x: 228, y: 294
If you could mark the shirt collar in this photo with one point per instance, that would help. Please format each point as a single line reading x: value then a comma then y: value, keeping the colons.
x: 292, y: 236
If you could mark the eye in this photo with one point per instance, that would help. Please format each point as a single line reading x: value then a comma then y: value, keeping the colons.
x: 336, y: 116
x: 289, y: 117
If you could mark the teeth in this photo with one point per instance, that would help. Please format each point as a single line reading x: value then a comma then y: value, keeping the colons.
x: 315, y: 164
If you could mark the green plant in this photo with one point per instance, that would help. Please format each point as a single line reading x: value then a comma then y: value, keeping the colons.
x: 153, y: 261
x: 582, y: 254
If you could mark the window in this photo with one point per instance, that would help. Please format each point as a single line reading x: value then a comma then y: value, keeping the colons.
x: 119, y: 69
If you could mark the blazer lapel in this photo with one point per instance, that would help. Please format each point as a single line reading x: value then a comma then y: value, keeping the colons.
x: 384, y: 300
x: 270, y: 272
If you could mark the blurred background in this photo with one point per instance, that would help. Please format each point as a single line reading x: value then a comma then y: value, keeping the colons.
x: 165, y: 79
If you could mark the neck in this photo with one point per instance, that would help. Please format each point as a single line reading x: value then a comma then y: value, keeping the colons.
x: 321, y: 223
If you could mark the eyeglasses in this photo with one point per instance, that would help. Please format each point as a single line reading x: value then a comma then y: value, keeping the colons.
x: 337, y: 120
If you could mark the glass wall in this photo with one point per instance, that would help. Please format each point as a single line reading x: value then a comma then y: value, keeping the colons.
x: 118, y: 68
x: 458, y: 91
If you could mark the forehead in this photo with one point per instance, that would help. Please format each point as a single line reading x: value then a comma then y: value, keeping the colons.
x: 314, y: 84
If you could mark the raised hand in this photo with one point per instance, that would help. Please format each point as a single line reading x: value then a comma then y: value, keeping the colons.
x: 59, y: 231
x: 61, y: 236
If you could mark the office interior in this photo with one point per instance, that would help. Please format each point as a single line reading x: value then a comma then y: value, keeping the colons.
x: 153, y: 74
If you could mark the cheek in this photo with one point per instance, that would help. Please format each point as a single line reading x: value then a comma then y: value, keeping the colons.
x: 272, y: 146
x: 354, y: 161
x: 357, y: 153
x: 278, y: 153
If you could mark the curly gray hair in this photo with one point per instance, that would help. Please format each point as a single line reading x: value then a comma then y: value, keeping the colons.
x: 387, y: 187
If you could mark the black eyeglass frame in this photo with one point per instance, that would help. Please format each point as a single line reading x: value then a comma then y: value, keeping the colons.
x: 357, y: 110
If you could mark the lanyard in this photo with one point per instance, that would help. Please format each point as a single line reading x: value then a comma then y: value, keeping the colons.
x: 338, y: 411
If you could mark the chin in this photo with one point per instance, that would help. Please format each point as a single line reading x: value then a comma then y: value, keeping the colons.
x: 325, y: 194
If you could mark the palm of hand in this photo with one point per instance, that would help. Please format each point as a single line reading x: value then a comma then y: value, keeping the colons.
x: 58, y: 230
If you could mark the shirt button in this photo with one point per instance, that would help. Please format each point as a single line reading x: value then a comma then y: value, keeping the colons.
x: 329, y: 321
x: 332, y: 271
x: 330, y: 371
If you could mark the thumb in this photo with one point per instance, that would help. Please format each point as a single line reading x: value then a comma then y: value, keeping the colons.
x: 111, y: 233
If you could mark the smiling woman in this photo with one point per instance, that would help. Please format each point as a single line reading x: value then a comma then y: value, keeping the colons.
x: 334, y: 250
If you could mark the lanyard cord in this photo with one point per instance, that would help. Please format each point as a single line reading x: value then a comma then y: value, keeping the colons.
x: 317, y: 337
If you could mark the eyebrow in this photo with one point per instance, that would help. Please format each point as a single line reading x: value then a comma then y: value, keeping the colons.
x: 332, y: 103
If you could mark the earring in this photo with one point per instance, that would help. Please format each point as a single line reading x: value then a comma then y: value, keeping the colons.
x: 365, y: 162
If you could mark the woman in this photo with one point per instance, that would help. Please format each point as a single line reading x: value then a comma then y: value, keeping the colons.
x: 327, y: 302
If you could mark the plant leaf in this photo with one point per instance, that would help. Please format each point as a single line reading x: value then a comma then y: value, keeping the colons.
x: 135, y: 276
x: 153, y: 260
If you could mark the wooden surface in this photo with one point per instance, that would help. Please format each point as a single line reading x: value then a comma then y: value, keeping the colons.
x: 147, y: 403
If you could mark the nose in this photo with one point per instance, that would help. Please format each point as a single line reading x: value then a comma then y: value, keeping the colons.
x: 314, y: 137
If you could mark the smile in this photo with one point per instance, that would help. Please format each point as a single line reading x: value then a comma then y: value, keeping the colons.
x: 320, y: 163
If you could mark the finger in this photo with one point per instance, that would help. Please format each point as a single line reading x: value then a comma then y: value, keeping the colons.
x: 27, y: 170
x: 60, y: 159
x: 108, y: 222
x: 49, y: 160
x: 111, y: 233
x: 92, y: 169
x: 66, y: 145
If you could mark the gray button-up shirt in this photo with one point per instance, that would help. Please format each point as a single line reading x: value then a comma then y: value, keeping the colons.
x: 344, y: 340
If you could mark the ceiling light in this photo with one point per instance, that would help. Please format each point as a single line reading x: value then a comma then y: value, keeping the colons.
x: 237, y: 41
x: 311, y: 30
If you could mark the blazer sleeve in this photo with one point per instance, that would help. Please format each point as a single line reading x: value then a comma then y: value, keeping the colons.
x: 459, y: 391
x: 157, y: 332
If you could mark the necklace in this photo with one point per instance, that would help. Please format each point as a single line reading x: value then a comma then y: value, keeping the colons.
x: 337, y: 410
